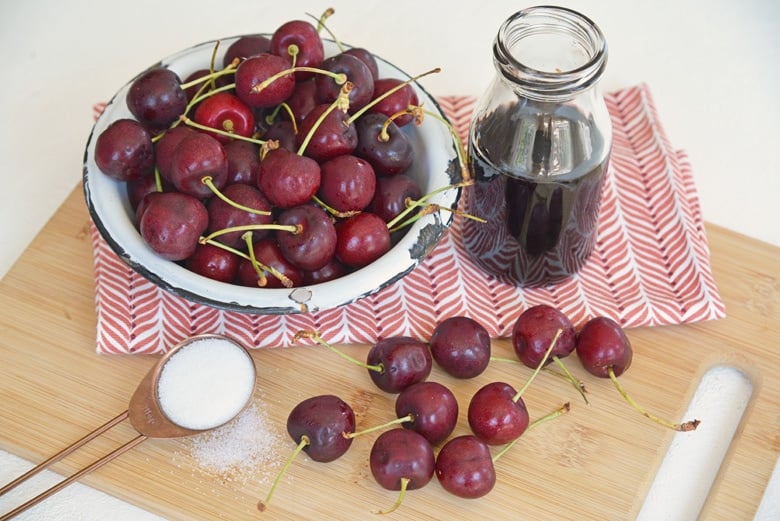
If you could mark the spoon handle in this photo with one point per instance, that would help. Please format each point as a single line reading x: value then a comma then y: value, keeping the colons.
x: 78, y: 475
x: 64, y: 452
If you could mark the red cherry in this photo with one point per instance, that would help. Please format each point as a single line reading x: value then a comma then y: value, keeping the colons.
x: 171, y: 224
x: 252, y: 72
x: 288, y: 179
x: 225, y: 112
x: 309, y: 52
x: 395, y: 102
x: 361, y: 239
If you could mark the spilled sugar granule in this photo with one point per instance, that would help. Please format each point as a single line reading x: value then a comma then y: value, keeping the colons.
x: 247, y: 448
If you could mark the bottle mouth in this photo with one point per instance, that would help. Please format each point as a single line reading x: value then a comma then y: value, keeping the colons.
x: 550, y: 52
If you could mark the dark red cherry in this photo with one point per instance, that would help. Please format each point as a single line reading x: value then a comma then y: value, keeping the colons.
x: 601, y: 344
x: 495, y: 415
x: 361, y: 239
x: 433, y: 407
x: 535, y: 330
x: 390, y: 152
x: 391, y: 194
x: 464, y: 467
x: 323, y: 420
x: 288, y: 179
x: 356, y: 72
x: 166, y: 145
x: 461, y: 346
x: 334, y: 136
x: 251, y: 74
x: 213, y: 262
x: 171, y: 224
x: 348, y: 183
x: 283, y: 132
x: 396, y: 102
x: 156, y: 98
x: 243, y: 162
x: 314, y: 245
x: 246, y: 47
x: 198, y: 156
x: 303, y: 99
x: 267, y: 252
x: 366, y: 57
x: 124, y: 151
x: 331, y: 271
x: 309, y: 52
x: 401, y: 454
x: 223, y: 215
x: 404, y: 361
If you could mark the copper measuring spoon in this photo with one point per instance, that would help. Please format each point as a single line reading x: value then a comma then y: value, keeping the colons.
x: 146, y: 416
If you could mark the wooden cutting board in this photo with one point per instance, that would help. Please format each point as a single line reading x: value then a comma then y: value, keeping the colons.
x: 595, y: 463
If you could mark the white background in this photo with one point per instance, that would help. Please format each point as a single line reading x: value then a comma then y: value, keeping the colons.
x: 713, y: 69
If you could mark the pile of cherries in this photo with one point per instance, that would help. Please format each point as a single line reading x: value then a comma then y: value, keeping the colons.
x: 403, y: 457
x: 283, y: 167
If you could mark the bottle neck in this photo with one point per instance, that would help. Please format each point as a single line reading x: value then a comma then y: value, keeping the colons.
x: 550, y: 53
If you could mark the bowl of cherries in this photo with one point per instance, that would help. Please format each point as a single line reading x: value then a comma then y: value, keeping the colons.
x: 273, y: 173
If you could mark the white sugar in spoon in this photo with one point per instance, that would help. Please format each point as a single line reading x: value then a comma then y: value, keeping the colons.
x: 202, y: 383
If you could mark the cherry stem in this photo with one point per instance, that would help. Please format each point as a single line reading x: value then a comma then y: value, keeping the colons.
x: 367, y: 107
x: 321, y: 25
x: 202, y: 94
x: 570, y: 377
x: 339, y: 77
x: 271, y: 118
x: 338, y: 103
x: 408, y: 418
x: 187, y: 121
x: 682, y: 427
x: 260, y: 267
x: 229, y: 69
x: 305, y: 441
x: 208, y: 181
x: 456, y: 140
x: 212, y: 242
x: 547, y: 417
x: 401, y: 495
x: 314, y: 335
x: 430, y: 208
x: 157, y: 180
x: 519, y: 393
x: 333, y: 211
x: 421, y: 201
x: 294, y: 229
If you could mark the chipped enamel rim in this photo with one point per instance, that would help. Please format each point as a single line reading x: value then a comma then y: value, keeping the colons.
x: 435, y: 166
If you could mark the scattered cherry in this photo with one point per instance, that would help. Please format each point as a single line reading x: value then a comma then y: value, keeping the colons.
x: 403, y: 460
x: 318, y: 425
x: 464, y: 467
x: 461, y: 346
x: 605, y: 351
x: 432, y: 407
x: 401, y: 362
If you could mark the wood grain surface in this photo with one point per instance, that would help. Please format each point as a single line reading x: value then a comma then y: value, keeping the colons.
x: 595, y: 463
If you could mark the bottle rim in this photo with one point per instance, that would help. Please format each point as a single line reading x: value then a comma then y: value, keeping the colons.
x: 532, y: 22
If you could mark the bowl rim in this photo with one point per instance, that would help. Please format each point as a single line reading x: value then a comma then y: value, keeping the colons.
x: 403, y: 257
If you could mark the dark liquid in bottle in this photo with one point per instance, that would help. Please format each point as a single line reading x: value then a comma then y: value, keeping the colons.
x: 538, y: 185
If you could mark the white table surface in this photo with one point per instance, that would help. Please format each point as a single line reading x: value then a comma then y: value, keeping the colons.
x: 713, y: 69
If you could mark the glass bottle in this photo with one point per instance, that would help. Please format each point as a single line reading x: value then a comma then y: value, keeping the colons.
x: 539, y: 145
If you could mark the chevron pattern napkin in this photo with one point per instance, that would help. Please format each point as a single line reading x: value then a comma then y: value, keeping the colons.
x: 650, y: 267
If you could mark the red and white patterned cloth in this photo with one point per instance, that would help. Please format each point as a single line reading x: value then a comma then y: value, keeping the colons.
x: 651, y: 265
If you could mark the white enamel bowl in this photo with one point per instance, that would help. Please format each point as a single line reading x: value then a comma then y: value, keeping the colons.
x: 435, y: 166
